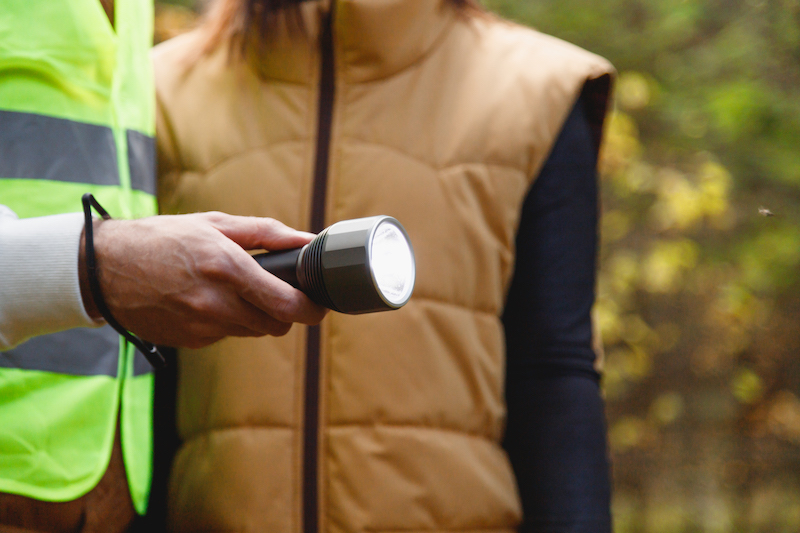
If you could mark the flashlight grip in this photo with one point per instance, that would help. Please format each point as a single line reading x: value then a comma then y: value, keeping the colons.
x: 282, y: 264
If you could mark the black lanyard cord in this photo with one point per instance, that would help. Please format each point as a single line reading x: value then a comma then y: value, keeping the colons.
x: 149, y: 350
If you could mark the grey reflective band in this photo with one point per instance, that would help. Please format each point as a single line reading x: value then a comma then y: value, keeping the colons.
x: 41, y: 147
x: 142, y: 161
x: 77, y: 352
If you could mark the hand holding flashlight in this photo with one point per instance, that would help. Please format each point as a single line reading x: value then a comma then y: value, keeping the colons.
x: 188, y: 281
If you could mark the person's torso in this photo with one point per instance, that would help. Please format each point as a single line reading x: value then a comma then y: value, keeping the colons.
x: 387, y: 421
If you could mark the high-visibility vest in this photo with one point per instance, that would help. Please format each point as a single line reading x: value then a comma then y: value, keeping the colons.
x: 76, y: 116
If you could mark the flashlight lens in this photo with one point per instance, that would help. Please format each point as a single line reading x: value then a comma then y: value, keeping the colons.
x: 392, y: 263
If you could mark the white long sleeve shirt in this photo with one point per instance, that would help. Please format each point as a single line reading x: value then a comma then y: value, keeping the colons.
x: 39, y: 289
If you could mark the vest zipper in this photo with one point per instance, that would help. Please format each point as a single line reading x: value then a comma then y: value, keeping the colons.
x: 313, y: 341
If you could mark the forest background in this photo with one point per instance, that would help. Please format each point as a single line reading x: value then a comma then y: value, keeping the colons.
x: 699, y: 289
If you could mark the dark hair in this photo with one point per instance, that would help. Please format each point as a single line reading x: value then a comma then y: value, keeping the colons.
x: 247, y: 24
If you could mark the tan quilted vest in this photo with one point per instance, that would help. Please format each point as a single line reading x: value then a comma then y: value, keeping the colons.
x: 438, y: 120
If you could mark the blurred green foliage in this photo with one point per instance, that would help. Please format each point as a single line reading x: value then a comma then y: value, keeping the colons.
x: 699, y: 289
x: 698, y: 296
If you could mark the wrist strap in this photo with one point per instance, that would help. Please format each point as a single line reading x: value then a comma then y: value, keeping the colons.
x: 149, y: 350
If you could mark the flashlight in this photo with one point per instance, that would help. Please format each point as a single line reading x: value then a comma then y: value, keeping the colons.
x: 354, y: 266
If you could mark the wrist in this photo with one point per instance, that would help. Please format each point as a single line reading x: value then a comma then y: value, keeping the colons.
x: 83, y: 281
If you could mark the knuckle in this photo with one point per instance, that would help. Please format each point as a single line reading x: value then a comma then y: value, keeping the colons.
x: 274, y: 224
x: 218, y: 266
x: 201, y: 305
x: 214, y: 216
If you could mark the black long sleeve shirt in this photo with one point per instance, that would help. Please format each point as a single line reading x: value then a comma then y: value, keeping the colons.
x: 556, y: 432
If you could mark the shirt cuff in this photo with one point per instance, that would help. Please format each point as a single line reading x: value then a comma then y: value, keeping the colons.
x: 39, y: 288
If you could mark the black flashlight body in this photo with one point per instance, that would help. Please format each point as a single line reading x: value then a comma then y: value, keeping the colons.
x: 282, y: 264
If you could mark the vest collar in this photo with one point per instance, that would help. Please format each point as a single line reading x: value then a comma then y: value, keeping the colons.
x: 373, y: 39
x: 378, y: 38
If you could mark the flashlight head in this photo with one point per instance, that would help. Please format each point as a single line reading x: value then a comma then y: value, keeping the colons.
x: 359, y: 266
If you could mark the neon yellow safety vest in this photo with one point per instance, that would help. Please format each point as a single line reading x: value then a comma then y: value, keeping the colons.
x: 76, y: 115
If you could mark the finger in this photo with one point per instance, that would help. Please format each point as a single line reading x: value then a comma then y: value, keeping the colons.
x: 226, y: 313
x: 277, y: 298
x: 216, y: 331
x: 253, y: 322
x: 254, y: 233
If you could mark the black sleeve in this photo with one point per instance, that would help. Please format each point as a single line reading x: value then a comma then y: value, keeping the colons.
x: 556, y: 432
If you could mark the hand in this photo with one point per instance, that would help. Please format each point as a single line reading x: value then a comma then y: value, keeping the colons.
x: 187, y: 280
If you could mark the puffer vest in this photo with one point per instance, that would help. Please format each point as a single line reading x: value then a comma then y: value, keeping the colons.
x: 389, y: 421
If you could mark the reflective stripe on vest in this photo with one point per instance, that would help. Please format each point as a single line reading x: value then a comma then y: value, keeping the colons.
x: 36, y: 146
x: 78, y: 352
x: 142, y: 161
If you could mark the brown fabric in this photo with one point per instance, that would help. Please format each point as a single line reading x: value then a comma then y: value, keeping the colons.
x: 108, y: 7
x: 107, y: 508
x: 438, y: 120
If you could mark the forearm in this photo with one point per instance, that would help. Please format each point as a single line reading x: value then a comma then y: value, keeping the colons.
x: 556, y: 442
x: 556, y: 435
x: 40, y: 291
